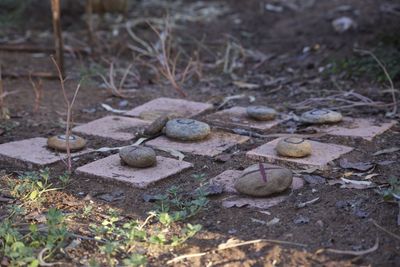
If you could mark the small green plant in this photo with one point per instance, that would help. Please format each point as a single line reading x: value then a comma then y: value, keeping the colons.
x: 393, y: 192
x: 22, y: 249
x: 31, y: 186
x: 135, y: 260
x: 65, y: 179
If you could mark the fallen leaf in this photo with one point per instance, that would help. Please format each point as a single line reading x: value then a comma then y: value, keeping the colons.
x: 273, y: 221
x: 369, y: 176
x: 314, y: 179
x: 245, y: 85
x: 303, y: 204
x: 109, y: 108
x: 211, y: 189
x: 258, y: 221
x: 223, y: 157
x: 352, y: 184
x: 260, y: 203
x: 360, y: 166
x: 301, y: 220
x: 111, y: 197
x: 386, y: 151
x: 173, y: 152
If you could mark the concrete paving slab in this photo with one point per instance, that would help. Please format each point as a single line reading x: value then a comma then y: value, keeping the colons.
x: 237, y: 117
x: 163, y: 105
x: 358, y: 127
x: 215, y: 144
x: 110, y: 169
x: 33, y: 152
x: 113, y: 127
x: 321, y: 155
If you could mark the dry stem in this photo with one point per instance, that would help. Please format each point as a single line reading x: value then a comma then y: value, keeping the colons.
x: 38, y: 89
x: 393, y: 91
x: 69, y: 112
x: 58, y: 41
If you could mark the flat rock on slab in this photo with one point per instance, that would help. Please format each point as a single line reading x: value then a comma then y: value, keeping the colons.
x: 163, y: 106
x: 321, y: 116
x: 261, y: 113
x: 59, y: 142
x: 237, y: 117
x: 113, y: 127
x: 228, y: 177
x: 321, y: 155
x: 138, y: 156
x: 110, y: 169
x: 33, y: 153
x: 216, y: 143
x: 359, y: 127
x: 187, y: 130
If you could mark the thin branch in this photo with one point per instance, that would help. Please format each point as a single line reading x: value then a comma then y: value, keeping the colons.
x: 385, y: 230
x: 229, y: 246
x: 394, y: 111
x: 351, y: 252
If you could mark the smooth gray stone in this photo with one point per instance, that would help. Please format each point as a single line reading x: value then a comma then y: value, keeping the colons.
x: 320, y: 116
x: 138, y: 156
x: 293, y: 147
x: 252, y: 183
x: 187, y: 130
x: 261, y: 113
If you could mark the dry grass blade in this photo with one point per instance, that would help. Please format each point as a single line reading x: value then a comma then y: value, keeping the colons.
x: 393, y: 90
x: 229, y: 245
x: 351, y: 252
x: 38, y: 90
x: 385, y: 230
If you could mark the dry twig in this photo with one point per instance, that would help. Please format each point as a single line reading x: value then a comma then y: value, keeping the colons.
x: 59, y: 46
x: 385, y: 230
x: 69, y: 112
x: 38, y: 89
x: 351, y: 252
x: 230, y: 245
x: 392, y: 89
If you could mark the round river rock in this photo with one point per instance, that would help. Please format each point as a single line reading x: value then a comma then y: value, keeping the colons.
x: 320, y: 116
x: 187, y: 129
x: 293, y: 147
x: 156, y: 126
x: 261, y: 113
x: 138, y: 157
x: 252, y: 182
x: 59, y: 142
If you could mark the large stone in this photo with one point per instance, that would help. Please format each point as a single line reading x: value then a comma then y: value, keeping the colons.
x: 59, y: 142
x: 138, y: 157
x: 293, y: 147
x: 320, y: 116
x: 156, y: 126
x: 261, y: 113
x: 187, y: 129
x: 252, y: 182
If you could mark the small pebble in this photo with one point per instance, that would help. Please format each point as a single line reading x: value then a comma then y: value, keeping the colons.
x: 293, y: 147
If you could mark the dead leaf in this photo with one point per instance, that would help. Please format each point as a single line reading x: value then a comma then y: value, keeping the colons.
x: 113, y: 196
x: 386, y: 151
x: 109, y: 108
x: 251, y: 202
x: 352, y: 184
x: 273, y: 221
x: 314, y: 179
x: 245, y: 85
x: 360, y: 166
x: 173, y: 152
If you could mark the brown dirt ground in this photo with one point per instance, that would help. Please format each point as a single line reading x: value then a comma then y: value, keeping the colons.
x: 282, y: 35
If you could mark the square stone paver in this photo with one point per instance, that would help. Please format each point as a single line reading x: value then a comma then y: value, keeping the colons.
x: 33, y: 152
x: 164, y: 105
x: 215, y: 144
x: 237, y: 116
x: 112, y: 127
x: 321, y: 155
x: 364, y: 128
x: 110, y: 168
